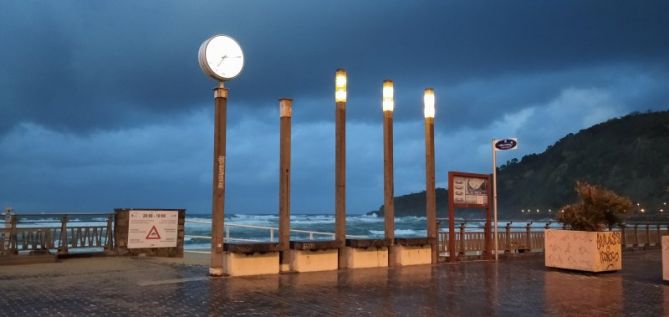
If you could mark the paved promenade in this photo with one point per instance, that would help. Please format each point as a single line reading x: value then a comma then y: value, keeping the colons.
x: 157, y: 287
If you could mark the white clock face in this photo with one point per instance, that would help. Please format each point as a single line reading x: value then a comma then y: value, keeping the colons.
x: 221, y: 57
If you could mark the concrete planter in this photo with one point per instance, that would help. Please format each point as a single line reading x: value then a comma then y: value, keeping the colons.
x: 583, y: 250
x: 665, y: 258
x: 412, y: 251
x: 314, y: 256
x: 366, y: 253
x: 250, y: 259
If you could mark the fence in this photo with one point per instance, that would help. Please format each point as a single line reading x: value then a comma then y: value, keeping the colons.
x: 520, y: 239
x: 272, y: 233
x: 62, y: 233
x: 68, y: 233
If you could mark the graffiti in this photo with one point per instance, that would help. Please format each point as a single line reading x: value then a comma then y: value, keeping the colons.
x: 608, y: 245
x: 607, y: 239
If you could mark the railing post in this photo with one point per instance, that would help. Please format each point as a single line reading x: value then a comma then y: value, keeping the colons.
x: 8, y: 218
x: 227, y: 234
x: 109, y: 244
x: 13, y: 242
x: 462, y: 239
x: 658, y: 238
x: 271, y: 235
x: 63, y: 236
x: 623, y: 240
x: 636, y: 236
x: 528, y: 233
x: 647, y: 244
x: 507, y: 241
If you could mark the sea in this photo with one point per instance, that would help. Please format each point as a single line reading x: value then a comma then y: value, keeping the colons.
x: 264, y: 227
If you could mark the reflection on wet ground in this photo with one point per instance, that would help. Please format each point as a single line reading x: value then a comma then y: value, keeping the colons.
x: 516, y: 286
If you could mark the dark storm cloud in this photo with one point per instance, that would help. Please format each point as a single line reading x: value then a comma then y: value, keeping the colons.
x: 87, y: 66
x: 102, y: 103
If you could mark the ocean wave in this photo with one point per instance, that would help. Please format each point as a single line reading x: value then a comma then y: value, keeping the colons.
x: 400, y: 232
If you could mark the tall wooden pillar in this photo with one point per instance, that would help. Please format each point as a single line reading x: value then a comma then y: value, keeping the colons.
x: 340, y: 162
x: 285, y: 108
x: 388, y: 182
x: 340, y: 179
x: 430, y: 188
x: 218, y: 186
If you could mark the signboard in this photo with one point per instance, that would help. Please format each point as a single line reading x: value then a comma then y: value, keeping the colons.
x: 506, y: 144
x: 152, y: 229
x: 470, y: 190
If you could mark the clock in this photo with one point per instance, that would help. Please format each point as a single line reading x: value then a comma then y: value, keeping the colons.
x: 221, y: 57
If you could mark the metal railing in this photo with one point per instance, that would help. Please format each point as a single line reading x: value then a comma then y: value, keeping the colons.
x: 529, y: 238
x: 58, y: 233
x: 272, y: 233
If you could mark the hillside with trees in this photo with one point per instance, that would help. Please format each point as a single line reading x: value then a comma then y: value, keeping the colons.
x: 629, y: 155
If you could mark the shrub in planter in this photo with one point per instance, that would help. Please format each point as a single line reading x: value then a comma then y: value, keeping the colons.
x: 587, y: 246
x: 598, y: 208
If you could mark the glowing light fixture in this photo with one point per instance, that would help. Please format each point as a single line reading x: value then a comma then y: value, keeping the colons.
x: 388, y: 99
x: 340, y: 85
x: 428, y: 102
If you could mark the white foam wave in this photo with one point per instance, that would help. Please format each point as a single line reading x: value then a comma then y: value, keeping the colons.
x: 400, y: 232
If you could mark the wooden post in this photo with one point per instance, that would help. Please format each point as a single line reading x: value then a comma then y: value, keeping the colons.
x: 13, y: 241
x: 218, y: 184
x: 452, y: 256
x: 340, y: 163
x: 388, y: 183
x: 507, y: 242
x: 285, y: 108
x: 528, y: 232
x: 430, y: 188
x: 109, y: 243
x: 63, y: 236
x: 487, y: 233
x: 462, y: 239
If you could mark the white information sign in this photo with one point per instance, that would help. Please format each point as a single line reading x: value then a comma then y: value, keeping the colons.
x: 153, y: 229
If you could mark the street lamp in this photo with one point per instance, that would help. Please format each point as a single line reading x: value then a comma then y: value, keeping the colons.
x: 388, y: 104
x: 340, y: 161
x: 430, y: 194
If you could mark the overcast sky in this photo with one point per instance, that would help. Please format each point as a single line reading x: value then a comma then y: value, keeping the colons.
x: 103, y: 105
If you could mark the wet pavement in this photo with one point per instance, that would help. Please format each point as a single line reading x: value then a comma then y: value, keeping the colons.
x: 515, y: 287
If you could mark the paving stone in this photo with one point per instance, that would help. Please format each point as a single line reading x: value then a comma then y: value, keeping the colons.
x: 514, y: 287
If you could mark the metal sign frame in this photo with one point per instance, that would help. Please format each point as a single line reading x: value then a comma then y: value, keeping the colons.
x: 452, y: 205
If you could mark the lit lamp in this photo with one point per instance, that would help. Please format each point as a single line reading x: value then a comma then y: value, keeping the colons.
x: 430, y: 194
x: 388, y: 183
x: 340, y: 85
x: 340, y: 161
x: 388, y: 99
x: 428, y: 102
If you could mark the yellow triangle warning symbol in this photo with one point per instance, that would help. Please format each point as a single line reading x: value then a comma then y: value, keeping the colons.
x: 153, y: 234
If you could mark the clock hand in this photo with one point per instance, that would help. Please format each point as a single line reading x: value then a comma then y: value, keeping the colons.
x: 222, y: 59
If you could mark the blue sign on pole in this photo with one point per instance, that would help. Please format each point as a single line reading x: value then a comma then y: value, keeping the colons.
x: 506, y: 144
